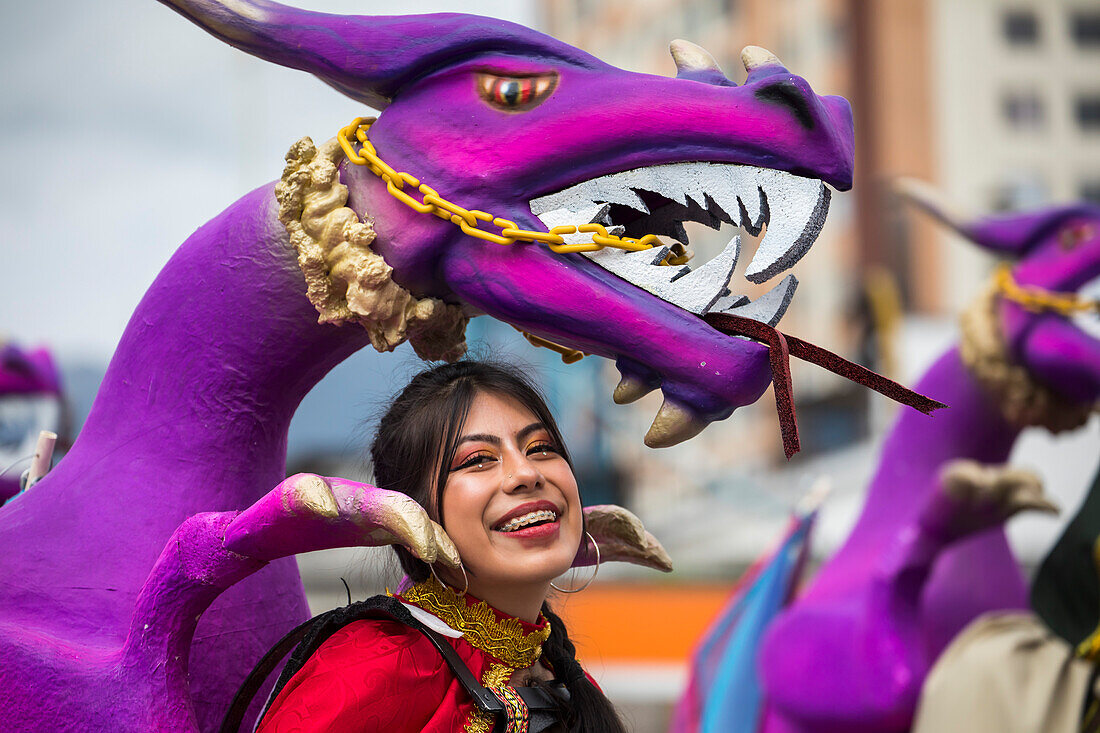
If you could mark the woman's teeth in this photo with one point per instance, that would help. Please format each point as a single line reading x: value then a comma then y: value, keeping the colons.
x: 542, y: 515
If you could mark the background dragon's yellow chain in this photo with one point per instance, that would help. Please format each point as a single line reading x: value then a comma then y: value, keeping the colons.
x: 469, y: 219
x: 1038, y: 300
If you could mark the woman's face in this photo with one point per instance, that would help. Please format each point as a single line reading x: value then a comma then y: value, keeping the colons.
x: 510, y: 502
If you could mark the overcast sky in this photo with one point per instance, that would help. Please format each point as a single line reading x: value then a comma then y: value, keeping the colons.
x: 123, y: 128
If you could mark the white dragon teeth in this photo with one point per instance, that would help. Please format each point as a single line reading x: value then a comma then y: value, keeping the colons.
x: 796, y: 212
x: 697, y: 290
x: 542, y: 515
x: 641, y: 269
x: 793, y: 208
x: 768, y: 308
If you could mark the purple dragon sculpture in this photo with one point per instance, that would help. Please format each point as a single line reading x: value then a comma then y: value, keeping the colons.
x: 928, y: 553
x: 148, y: 571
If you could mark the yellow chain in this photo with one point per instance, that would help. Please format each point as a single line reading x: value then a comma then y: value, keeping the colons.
x: 568, y: 355
x: 468, y: 219
x: 1038, y: 300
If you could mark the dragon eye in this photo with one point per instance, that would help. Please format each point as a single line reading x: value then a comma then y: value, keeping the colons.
x: 516, y: 93
x: 1074, y: 235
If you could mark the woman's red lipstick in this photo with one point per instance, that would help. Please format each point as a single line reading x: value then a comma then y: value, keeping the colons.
x: 545, y: 529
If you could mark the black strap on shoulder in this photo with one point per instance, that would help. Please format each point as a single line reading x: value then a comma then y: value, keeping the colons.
x: 310, y: 635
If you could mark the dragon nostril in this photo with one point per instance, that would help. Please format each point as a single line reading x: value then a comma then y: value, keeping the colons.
x: 787, y: 94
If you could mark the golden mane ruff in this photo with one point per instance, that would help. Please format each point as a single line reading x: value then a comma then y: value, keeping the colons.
x: 345, y: 280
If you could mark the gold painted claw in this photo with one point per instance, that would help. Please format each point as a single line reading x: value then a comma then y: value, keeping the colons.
x: 307, y: 512
x: 1002, y: 491
x: 622, y: 538
x: 392, y: 518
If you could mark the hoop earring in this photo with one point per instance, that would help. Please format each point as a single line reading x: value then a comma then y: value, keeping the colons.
x: 465, y: 577
x: 595, y: 572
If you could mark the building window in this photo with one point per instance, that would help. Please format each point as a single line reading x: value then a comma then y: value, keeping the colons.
x: 1021, y: 27
x: 1019, y: 191
x: 1090, y: 191
x: 1023, y: 110
x: 1087, y: 111
x: 1085, y: 28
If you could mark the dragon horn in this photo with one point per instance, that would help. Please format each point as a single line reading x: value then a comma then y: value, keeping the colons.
x: 929, y: 200
x: 621, y: 537
x: 368, y: 58
x: 1011, y: 235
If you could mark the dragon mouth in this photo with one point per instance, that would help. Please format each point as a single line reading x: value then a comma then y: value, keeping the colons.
x: 790, y: 211
x: 658, y: 199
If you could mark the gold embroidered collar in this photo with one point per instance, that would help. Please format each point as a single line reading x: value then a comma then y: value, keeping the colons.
x: 511, y: 640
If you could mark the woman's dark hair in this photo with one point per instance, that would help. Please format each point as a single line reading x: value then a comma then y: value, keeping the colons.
x: 415, y: 442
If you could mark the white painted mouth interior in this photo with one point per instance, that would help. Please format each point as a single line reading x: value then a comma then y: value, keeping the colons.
x: 658, y: 199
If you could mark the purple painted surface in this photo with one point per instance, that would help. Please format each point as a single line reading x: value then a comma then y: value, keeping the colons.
x: 852, y: 651
x: 28, y: 372
x: 189, y: 427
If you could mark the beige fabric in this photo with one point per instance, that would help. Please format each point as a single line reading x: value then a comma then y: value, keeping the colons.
x: 1005, y: 673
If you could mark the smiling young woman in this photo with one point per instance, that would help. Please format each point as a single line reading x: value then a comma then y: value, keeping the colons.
x: 476, y: 446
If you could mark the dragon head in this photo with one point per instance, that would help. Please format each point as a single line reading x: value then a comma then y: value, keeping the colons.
x: 1046, y: 303
x: 496, y: 118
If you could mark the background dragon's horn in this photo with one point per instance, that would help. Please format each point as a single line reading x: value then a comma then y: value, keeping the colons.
x: 930, y: 200
x: 1011, y: 234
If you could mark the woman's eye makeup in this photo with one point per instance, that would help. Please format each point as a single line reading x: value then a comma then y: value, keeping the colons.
x: 477, y: 458
x: 542, y: 446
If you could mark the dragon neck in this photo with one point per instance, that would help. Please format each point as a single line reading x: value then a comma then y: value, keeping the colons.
x: 192, y: 416
x: 248, y: 315
x: 917, y: 447
x: 992, y: 398
x: 217, y: 357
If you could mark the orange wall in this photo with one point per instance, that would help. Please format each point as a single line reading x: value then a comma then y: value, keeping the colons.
x: 619, y: 622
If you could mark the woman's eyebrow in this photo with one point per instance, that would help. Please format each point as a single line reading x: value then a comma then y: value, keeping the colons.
x: 532, y: 428
x: 479, y: 438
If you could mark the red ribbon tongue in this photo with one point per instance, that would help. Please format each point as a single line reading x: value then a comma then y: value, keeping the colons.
x: 781, y: 347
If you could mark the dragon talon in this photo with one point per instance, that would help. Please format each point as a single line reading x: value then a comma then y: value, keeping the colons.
x: 311, y: 494
x: 673, y: 424
x: 630, y: 389
x: 621, y: 537
x: 446, y: 551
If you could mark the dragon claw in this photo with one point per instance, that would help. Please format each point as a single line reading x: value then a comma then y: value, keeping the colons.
x: 446, y: 552
x: 307, y: 493
x: 307, y: 512
x: 976, y: 497
x: 673, y: 424
x: 621, y: 537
